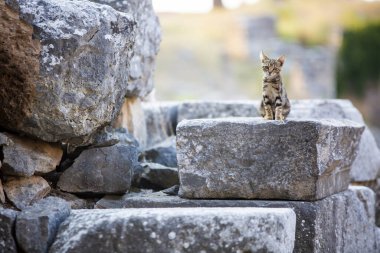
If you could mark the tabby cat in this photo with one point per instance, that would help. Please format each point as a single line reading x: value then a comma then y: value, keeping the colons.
x: 275, y: 103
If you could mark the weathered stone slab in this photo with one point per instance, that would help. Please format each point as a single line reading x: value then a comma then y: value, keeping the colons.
x: 343, y: 222
x: 37, y: 225
x: 178, y: 230
x: 163, y: 153
x: 68, y: 72
x: 366, y: 166
x: 25, y: 191
x: 105, y: 170
x: 146, y: 44
x: 7, y: 221
x: 156, y: 176
x: 257, y: 159
x: 217, y: 109
x: 24, y: 156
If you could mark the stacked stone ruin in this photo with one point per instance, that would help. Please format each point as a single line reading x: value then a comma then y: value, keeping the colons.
x: 87, y: 166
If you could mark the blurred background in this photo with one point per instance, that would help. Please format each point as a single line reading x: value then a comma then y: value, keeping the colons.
x: 210, y: 49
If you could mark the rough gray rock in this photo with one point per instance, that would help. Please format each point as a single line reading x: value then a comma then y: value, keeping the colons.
x: 157, y: 176
x: 161, y: 121
x: 217, y: 109
x: 25, y: 191
x: 25, y: 157
x: 366, y: 166
x: 37, y: 225
x: 178, y: 230
x: 69, y: 69
x: 7, y: 221
x: 74, y: 201
x: 105, y: 170
x: 343, y: 222
x: 254, y: 158
x: 163, y: 153
x: 146, y: 47
x: 2, y: 195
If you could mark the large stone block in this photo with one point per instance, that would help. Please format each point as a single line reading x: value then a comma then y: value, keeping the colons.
x: 101, y: 171
x: 366, y: 166
x: 178, y: 230
x: 343, y: 222
x: 65, y: 67
x: 257, y: 159
x: 25, y: 157
x: 146, y: 46
x: 37, y: 225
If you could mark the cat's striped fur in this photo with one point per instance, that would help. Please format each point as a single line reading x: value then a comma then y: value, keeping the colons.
x: 275, y: 103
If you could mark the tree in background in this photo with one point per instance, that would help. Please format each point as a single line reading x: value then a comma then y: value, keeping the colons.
x: 358, y: 70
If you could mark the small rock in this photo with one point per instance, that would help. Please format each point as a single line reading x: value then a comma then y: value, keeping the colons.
x: 177, y: 230
x: 172, y: 191
x: 158, y: 177
x: 258, y: 159
x: 24, y: 156
x: 25, y: 191
x: 105, y: 170
x: 7, y: 221
x: 37, y: 225
x: 163, y: 153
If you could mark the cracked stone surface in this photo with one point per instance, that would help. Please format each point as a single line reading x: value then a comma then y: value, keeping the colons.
x: 343, y: 222
x: 68, y: 73
x: 178, y: 230
x: 104, y: 170
x: 146, y: 46
x: 257, y: 159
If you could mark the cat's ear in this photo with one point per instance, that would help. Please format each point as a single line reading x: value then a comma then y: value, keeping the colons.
x: 263, y: 56
x: 281, y: 60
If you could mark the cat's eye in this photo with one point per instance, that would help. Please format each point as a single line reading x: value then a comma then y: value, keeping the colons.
x: 265, y: 68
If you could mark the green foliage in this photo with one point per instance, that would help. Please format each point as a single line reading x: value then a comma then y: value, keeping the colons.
x: 359, y: 62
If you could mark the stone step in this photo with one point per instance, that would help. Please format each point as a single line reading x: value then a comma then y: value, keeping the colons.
x: 343, y: 222
x: 177, y: 230
x: 252, y: 158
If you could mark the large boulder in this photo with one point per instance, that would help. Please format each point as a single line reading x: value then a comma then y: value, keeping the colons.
x: 25, y: 191
x: 37, y: 225
x: 105, y: 170
x: 343, y: 222
x: 146, y: 46
x: 65, y: 67
x: 258, y: 159
x: 177, y: 230
x: 25, y: 157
